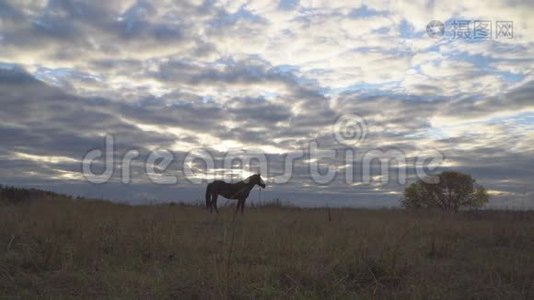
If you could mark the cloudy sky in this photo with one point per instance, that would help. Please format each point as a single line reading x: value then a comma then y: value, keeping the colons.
x: 265, y: 77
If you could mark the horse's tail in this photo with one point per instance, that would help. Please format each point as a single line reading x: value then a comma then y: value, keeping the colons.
x: 208, y: 196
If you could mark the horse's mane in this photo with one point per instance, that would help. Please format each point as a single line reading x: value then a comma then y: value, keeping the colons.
x: 247, y: 180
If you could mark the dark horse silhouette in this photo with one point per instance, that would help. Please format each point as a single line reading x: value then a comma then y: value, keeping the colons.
x: 237, y: 191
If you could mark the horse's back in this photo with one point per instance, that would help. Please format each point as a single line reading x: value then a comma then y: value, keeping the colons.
x: 225, y: 189
x: 218, y: 186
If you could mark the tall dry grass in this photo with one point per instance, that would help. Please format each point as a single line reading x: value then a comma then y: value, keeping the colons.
x: 60, y: 248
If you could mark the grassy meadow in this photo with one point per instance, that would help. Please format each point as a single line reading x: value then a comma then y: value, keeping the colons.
x: 62, y: 248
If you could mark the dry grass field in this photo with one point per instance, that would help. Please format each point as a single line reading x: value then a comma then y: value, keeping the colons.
x: 60, y: 248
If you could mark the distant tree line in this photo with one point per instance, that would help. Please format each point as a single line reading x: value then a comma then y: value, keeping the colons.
x: 15, y: 195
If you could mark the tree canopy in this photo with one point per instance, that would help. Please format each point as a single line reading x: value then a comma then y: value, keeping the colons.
x: 448, y: 191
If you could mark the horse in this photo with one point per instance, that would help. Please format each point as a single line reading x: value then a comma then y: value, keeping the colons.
x: 234, y: 191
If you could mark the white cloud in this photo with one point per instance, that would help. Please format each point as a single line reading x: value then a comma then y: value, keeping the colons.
x: 254, y: 75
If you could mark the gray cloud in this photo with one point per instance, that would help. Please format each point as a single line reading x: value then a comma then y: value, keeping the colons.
x: 183, y: 75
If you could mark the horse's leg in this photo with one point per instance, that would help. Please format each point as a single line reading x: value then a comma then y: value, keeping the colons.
x: 210, y: 203
x: 208, y: 196
x: 214, y: 203
x: 243, y: 205
x: 237, y: 206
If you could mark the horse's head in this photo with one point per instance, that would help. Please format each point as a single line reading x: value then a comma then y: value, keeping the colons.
x: 256, y: 179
